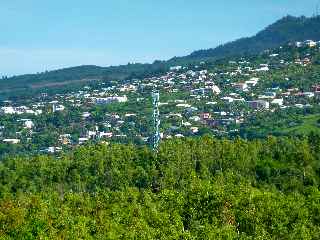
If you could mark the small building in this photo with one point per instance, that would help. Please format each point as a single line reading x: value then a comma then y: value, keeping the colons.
x: 65, y: 139
x: 277, y: 101
x: 53, y: 150
x: 183, y: 105
x: 57, y: 108
x: 227, y: 99
x: 263, y: 68
x: 28, y: 124
x: 109, y: 100
x: 195, y: 118
x: 8, y: 110
x: 205, y: 116
x: 83, y: 140
x: 86, y: 115
x: 91, y: 134
x: 175, y: 68
x: 186, y: 124
x: 268, y: 95
x: 105, y: 134
x: 241, y: 86
x: 215, y: 89
x: 194, y: 130
x: 179, y: 135
x: 252, y: 82
x: 316, y: 88
x: 310, y: 43
x: 258, y: 104
x: 11, y: 141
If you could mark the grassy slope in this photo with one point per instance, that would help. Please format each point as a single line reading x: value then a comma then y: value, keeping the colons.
x: 309, y: 124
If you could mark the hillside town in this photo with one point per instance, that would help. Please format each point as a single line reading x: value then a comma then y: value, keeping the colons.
x: 202, y: 98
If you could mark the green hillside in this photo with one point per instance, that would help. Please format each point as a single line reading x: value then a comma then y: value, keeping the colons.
x: 74, y: 76
x: 288, y: 29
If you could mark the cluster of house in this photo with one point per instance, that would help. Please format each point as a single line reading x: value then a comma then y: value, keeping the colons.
x: 191, y: 98
x: 26, y: 124
x: 113, y: 99
x: 307, y: 43
x: 20, y: 110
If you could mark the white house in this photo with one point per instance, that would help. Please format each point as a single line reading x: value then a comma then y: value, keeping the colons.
x: 57, y: 108
x: 263, y: 68
x: 179, y: 135
x: 111, y: 100
x: 194, y: 129
x: 215, y: 89
x: 83, y: 140
x: 227, y: 99
x: 11, y: 141
x: 105, y: 134
x: 28, y: 124
x: 277, y: 101
x: 241, y: 86
x: 175, y: 68
x: 310, y: 43
x: 8, y: 110
x: 252, y: 82
x: 195, y: 118
x: 86, y: 115
x: 186, y: 124
x: 258, y: 104
x: 183, y: 105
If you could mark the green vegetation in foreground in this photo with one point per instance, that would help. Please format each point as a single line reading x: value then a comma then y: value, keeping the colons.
x: 309, y: 124
x: 193, y: 189
x: 291, y: 122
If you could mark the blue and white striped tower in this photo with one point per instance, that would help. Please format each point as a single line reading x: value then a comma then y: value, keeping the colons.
x: 156, y: 120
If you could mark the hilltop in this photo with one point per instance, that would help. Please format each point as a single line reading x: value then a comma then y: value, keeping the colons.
x: 287, y: 29
x: 75, y: 76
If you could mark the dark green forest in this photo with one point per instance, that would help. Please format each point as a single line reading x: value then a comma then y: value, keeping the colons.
x: 75, y: 77
x: 200, y: 188
x: 286, y: 30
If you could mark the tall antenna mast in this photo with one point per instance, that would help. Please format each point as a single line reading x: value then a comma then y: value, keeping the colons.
x: 156, y: 120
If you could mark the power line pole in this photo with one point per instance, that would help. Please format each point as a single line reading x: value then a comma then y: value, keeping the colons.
x: 156, y: 120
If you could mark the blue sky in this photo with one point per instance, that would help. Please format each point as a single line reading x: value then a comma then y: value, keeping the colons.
x: 39, y: 35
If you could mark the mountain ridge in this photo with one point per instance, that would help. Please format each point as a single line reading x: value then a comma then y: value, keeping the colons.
x: 287, y: 29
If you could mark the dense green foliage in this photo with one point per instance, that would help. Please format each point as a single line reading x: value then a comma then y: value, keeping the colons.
x: 193, y: 189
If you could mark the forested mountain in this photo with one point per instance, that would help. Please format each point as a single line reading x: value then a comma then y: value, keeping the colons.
x: 78, y: 75
x: 288, y: 29
x: 192, y: 189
